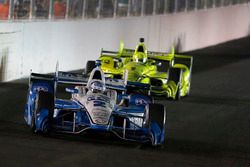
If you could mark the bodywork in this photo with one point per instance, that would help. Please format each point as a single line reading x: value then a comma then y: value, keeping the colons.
x: 113, y: 111
x: 154, y: 72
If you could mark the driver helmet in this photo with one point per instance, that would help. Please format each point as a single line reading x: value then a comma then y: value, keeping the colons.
x: 140, y: 57
x: 97, y: 86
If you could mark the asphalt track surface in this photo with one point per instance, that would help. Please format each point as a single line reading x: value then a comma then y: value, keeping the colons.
x: 211, y: 127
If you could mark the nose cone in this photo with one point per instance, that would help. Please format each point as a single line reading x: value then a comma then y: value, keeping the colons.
x: 100, y: 116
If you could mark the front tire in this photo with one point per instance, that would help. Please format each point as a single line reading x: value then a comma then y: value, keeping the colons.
x: 175, y: 74
x: 90, y: 66
x: 44, y: 100
x: 33, y: 123
x: 178, y: 94
x: 157, y: 123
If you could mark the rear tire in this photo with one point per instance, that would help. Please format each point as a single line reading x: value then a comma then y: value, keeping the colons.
x: 90, y: 66
x: 175, y: 74
x: 178, y: 94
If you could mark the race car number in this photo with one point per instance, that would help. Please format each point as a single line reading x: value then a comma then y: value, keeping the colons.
x: 98, y: 98
x: 39, y: 88
x: 98, y: 103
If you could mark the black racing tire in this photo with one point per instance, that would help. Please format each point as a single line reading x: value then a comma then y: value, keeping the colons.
x: 33, y: 124
x: 188, y: 62
x: 43, y: 100
x: 157, y: 113
x: 46, y: 128
x: 190, y: 80
x: 178, y: 94
x: 175, y: 74
x: 189, y: 87
x: 90, y: 66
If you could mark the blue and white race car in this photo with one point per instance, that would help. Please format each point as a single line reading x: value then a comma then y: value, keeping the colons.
x: 97, y: 104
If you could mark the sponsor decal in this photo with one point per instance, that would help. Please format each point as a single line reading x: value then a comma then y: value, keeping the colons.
x: 106, y: 61
x: 39, y: 88
x: 100, y: 116
x: 140, y: 101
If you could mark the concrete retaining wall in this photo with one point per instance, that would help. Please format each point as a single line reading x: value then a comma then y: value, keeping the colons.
x: 38, y: 45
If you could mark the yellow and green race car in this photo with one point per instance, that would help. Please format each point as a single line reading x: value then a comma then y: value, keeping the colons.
x: 168, y: 74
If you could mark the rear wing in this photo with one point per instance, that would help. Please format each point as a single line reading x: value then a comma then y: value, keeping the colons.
x: 81, y: 79
x: 106, y: 53
x: 60, y: 77
x: 129, y: 53
x: 184, y: 59
x: 71, y: 78
x: 74, y: 79
x: 37, y: 77
x: 157, y: 56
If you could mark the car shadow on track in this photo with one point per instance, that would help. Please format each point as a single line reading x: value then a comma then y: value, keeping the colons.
x: 216, y: 100
x: 197, y: 148
x: 171, y: 146
x: 220, y: 55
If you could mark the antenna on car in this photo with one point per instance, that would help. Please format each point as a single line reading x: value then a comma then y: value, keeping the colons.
x: 121, y: 48
x: 30, y: 77
x: 141, y: 40
x: 57, y: 67
x: 56, y: 79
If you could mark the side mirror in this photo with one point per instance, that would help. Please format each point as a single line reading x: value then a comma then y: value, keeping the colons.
x: 71, y: 90
x: 171, y: 63
x: 158, y: 64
